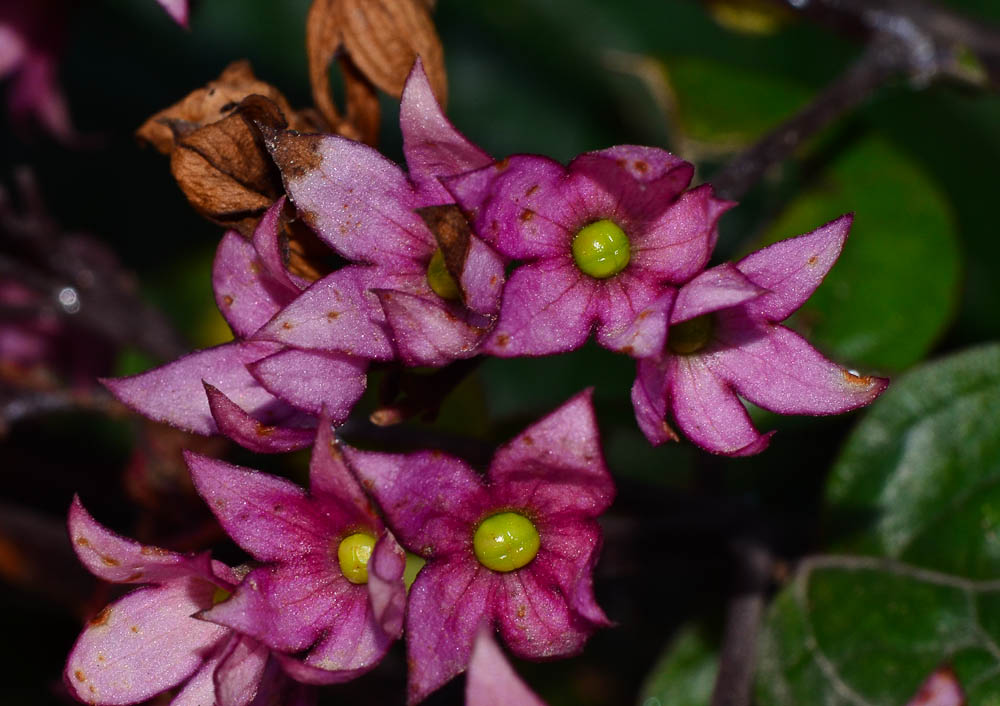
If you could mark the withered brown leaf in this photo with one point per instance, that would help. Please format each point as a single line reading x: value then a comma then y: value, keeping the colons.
x: 452, y: 231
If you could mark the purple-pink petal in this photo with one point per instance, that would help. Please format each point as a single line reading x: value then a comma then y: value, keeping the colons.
x: 632, y: 314
x: 307, y: 674
x: 173, y: 393
x: 649, y: 400
x: 177, y: 9
x: 718, y: 288
x: 491, y: 681
x: 646, y: 333
x: 200, y: 689
x: 941, y: 688
x: 431, y: 144
x: 792, y: 269
x: 245, y: 295
x: 266, y: 242
x: 332, y: 484
x: 428, y: 330
x: 314, y: 380
x: 249, y: 433
x: 556, y: 465
x: 386, y: 590
x: 237, y: 677
x: 482, y: 278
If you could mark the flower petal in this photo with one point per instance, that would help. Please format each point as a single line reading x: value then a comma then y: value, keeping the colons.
x: 718, y: 288
x: 249, y: 433
x: 332, y: 484
x: 306, y: 674
x: 237, y: 678
x: 200, y: 689
x: 941, y: 688
x: 386, y: 590
x: 268, y: 516
x: 360, y: 203
x: 678, y: 244
x: 708, y: 412
x: 429, y: 331
x: 120, y: 560
x: 429, y: 499
x: 556, y: 465
x: 518, y: 205
x: 491, y: 681
x: 177, y: 9
x: 448, y: 603
x: 431, y: 144
x: 792, y: 269
x: 353, y: 640
x: 337, y: 313
x: 245, y: 295
x: 143, y: 644
x: 545, y: 309
x: 314, y: 380
x: 266, y: 243
x: 633, y: 314
x: 173, y: 393
x: 482, y: 277
x: 649, y: 400
x: 777, y: 369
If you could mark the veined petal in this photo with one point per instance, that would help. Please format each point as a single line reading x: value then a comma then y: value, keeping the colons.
x: 313, y: 380
x: 448, y: 603
x: 237, y: 678
x: 708, y: 411
x: 431, y: 144
x: 649, y: 400
x: 429, y: 499
x: 718, y: 288
x: 249, y: 433
x: 491, y: 681
x: 244, y: 293
x: 677, y: 245
x: 268, y: 516
x: 556, y: 465
x: 353, y: 639
x: 120, y: 560
x: 200, y: 689
x: 792, y: 269
x: 360, y: 203
x: 265, y: 242
x: 518, y: 205
x: 173, y: 393
x: 428, y: 330
x: 143, y: 644
x: 306, y: 674
x: 632, y: 314
x: 386, y: 590
x: 337, y: 313
x: 331, y: 483
x: 482, y: 278
x: 777, y: 369
x: 546, y: 309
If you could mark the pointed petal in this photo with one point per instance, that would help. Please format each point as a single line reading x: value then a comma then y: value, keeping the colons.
x: 482, y: 277
x: 268, y: 516
x: 249, y: 433
x: 778, y: 370
x: 120, y: 560
x: 238, y: 675
x: 314, y: 380
x: 177, y: 9
x: 430, y: 500
x: 632, y: 314
x: 200, y: 689
x: 244, y: 293
x: 649, y: 400
x: 276, y: 689
x: 143, y: 644
x: 353, y: 640
x: 173, y: 393
x: 491, y: 681
x: 518, y: 205
x: 337, y: 313
x: 307, y: 674
x: 941, y: 688
x: 431, y: 144
x: 556, y: 465
x: 677, y: 245
x: 386, y: 590
x: 360, y: 203
x: 331, y: 482
x: 428, y: 330
x: 448, y: 602
x: 718, y: 288
x: 266, y: 244
x: 545, y: 309
x: 708, y: 412
x: 637, y: 162
x: 792, y: 269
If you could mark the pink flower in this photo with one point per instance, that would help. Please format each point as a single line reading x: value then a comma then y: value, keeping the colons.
x: 177, y: 9
x: 516, y: 551
x: 491, y: 680
x: 149, y: 641
x: 331, y: 579
x: 725, y: 340
x: 599, y: 242
x: 941, y: 688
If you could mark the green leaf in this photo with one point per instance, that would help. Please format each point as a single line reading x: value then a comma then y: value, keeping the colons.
x: 685, y: 673
x: 895, y: 287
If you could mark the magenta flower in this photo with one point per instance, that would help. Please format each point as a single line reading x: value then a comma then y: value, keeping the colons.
x: 725, y: 340
x: 331, y: 580
x: 491, y: 681
x: 177, y: 9
x: 515, y: 551
x: 941, y: 688
x: 599, y: 241
x: 149, y: 641
x: 430, y: 302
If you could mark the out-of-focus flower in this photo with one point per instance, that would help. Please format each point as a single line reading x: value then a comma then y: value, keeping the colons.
x: 940, y: 689
x: 725, y: 339
x: 516, y: 551
x: 149, y: 641
x: 177, y: 9
x: 491, y: 681
x: 600, y: 243
x: 332, y: 576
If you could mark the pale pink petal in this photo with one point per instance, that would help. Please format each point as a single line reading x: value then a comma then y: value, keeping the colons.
x: 199, y: 690
x: 120, y: 560
x: 792, y: 269
x: 386, y: 590
x: 353, y: 639
x: 143, y: 644
x: 482, y: 278
x: 777, y: 369
x: 632, y: 314
x: 314, y: 380
x: 940, y: 689
x: 266, y: 241
x: 232, y: 422
x: 491, y: 681
x: 430, y: 331
x: 718, y: 288
x: 545, y: 310
x: 431, y: 144
x: 173, y: 393
x: 556, y: 465
x: 238, y: 675
x: 307, y: 674
x: 177, y: 9
x: 430, y: 500
x: 244, y: 293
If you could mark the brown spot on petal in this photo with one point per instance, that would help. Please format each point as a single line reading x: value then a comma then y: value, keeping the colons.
x: 628, y: 350
x: 332, y: 315
x: 368, y: 483
x: 153, y: 551
x: 80, y: 676
x: 101, y: 618
x: 264, y: 430
x: 859, y: 380
x: 493, y: 279
x: 110, y: 561
x: 640, y: 166
x: 503, y: 339
x: 528, y: 440
x: 526, y: 215
x: 83, y: 541
x: 812, y: 261
x: 644, y: 315
x: 278, y: 508
x: 101, y: 657
x: 134, y: 577
x: 531, y: 190
x: 287, y: 325
x: 522, y: 610
x: 621, y: 163
x: 502, y: 164
x: 227, y: 300
x: 135, y: 629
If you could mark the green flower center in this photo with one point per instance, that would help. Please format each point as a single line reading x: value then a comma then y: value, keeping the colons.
x: 690, y: 336
x: 220, y: 594
x: 601, y: 249
x: 505, y: 541
x: 353, y: 552
x: 440, y: 279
